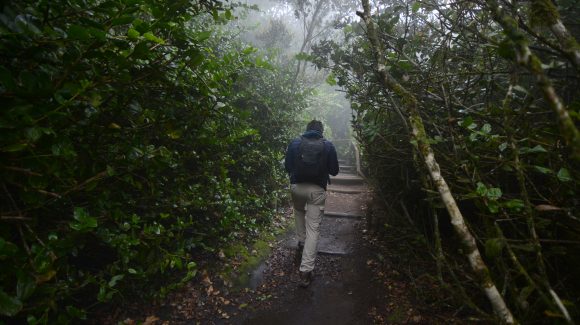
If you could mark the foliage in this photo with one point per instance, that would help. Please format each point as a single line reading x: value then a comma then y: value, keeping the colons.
x: 496, y: 140
x: 134, y: 135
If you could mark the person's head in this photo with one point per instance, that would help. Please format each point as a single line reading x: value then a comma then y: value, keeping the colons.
x: 315, y: 125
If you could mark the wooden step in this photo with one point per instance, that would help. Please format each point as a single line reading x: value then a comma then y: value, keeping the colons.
x: 341, y: 215
x: 346, y: 179
x: 347, y: 169
x: 347, y: 190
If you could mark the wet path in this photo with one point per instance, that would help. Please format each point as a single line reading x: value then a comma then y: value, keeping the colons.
x: 340, y: 291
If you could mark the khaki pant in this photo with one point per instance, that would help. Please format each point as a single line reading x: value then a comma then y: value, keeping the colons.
x: 308, y: 201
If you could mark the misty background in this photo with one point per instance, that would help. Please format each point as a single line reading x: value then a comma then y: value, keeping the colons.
x: 285, y: 31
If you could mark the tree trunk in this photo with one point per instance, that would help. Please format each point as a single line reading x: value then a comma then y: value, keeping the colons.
x: 310, y: 27
x: 418, y: 132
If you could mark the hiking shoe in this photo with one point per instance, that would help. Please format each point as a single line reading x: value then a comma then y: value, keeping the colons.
x: 305, y: 279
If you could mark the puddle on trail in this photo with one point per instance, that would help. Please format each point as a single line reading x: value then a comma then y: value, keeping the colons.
x: 256, y: 276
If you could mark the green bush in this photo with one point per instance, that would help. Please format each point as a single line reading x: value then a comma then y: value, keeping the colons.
x: 134, y: 135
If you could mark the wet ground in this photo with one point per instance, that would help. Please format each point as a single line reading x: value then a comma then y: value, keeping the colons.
x: 341, y: 290
x: 358, y: 279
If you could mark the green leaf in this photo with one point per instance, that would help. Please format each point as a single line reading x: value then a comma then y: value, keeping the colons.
x: 105, y: 294
x: 503, y: 146
x: 302, y: 56
x: 494, y: 193
x: 122, y: 20
x: 98, y: 34
x: 76, y: 312
x: 249, y: 50
x: 82, y: 220
x: 525, y: 293
x: 196, y: 59
x: 543, y: 170
x: 9, y: 306
x: 520, y: 89
x: 115, y: 279
x: 26, y: 25
x: 404, y: 65
x: 486, y: 128
x: 416, y: 6
x: 202, y: 36
x: 78, y: 32
x: 25, y: 287
x: 141, y: 51
x: 6, y: 79
x: 514, y: 204
x: 506, y: 49
x: 536, y: 149
x: 564, y: 175
x: 133, y: 34
x: 15, y: 147
x: 493, y: 247
x: 331, y: 80
x: 467, y: 122
x: 525, y: 247
x: 481, y: 189
x: 493, y: 206
x: 7, y: 249
x: 149, y: 36
x: 35, y: 133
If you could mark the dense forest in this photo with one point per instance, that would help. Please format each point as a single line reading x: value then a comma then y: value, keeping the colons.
x: 138, y: 137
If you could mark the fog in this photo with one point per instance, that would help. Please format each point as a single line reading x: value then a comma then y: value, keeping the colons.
x: 283, y: 29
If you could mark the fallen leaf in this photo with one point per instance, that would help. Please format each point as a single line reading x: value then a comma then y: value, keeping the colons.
x: 416, y: 319
x: 46, y: 276
x: 547, y: 207
x: 150, y: 320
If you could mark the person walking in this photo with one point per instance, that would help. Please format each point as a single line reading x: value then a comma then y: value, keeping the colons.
x: 309, y: 160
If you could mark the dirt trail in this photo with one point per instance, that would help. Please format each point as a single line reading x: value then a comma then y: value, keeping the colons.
x: 358, y: 279
x: 339, y: 293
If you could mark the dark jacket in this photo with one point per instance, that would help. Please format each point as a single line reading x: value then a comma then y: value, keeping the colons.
x: 329, y: 151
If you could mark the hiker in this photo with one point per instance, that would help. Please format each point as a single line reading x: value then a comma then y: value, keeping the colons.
x: 309, y: 160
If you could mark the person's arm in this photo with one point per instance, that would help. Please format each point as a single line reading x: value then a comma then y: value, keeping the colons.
x: 332, y: 160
